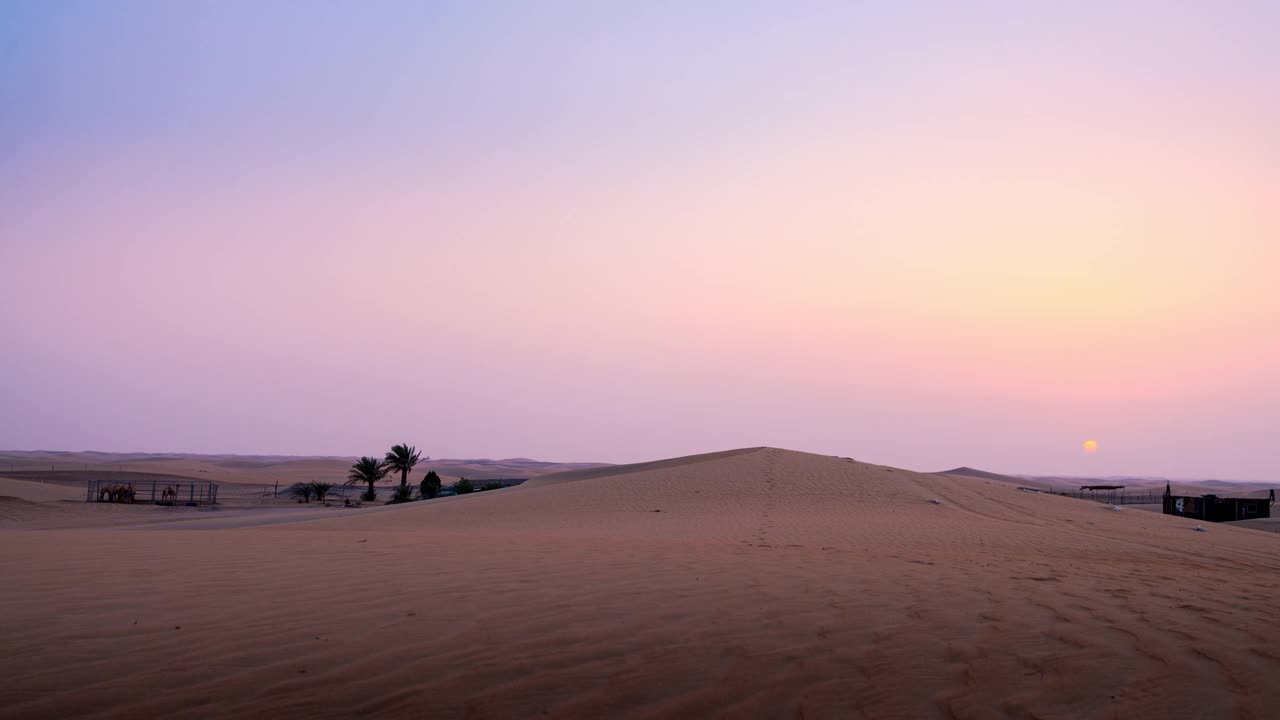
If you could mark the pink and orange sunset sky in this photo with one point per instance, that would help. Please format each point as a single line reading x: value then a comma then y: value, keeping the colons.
x: 918, y: 234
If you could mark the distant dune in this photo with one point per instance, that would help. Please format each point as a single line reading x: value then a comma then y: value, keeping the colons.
x: 603, y: 471
x: 260, y: 470
x: 38, y: 491
x: 750, y: 583
x: 981, y: 474
x: 1132, y: 483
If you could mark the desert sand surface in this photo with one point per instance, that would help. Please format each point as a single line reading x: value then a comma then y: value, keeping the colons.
x: 33, y: 491
x: 1271, y: 524
x: 751, y: 583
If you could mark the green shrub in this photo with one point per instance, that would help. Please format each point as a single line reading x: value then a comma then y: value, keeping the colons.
x: 369, y: 495
x: 430, y: 486
x: 463, y: 486
x: 401, y: 494
x: 321, y: 490
x: 302, y: 491
x: 491, y: 486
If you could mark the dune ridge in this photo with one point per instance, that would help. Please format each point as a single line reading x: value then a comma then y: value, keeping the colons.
x: 752, y: 583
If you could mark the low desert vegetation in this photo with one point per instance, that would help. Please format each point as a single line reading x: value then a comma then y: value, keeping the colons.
x: 321, y: 490
x: 302, y: 492
x: 401, y: 494
x: 400, y: 459
x: 430, y: 486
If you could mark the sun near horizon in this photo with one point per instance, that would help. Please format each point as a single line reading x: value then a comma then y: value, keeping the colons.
x: 889, y: 231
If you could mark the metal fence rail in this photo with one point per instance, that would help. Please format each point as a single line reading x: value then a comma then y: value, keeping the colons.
x: 163, y: 492
x: 1118, y: 497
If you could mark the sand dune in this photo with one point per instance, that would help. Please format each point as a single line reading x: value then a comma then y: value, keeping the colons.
x: 39, y: 491
x: 1271, y: 524
x: 752, y: 583
x: 980, y: 474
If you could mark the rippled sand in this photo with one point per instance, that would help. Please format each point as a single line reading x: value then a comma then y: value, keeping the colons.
x: 754, y: 583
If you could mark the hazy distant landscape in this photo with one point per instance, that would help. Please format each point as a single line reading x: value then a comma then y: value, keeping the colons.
x: 269, y: 469
x: 257, y: 469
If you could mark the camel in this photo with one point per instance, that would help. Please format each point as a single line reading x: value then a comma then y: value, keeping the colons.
x: 117, y: 493
x: 169, y: 495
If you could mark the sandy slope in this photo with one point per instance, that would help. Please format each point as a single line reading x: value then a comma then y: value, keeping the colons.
x: 1271, y: 524
x: 758, y: 583
x: 39, y: 491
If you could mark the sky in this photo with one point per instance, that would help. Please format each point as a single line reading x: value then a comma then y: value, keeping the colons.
x: 918, y: 234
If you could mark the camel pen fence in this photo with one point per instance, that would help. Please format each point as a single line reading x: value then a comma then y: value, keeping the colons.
x: 1114, y: 495
x: 160, y: 492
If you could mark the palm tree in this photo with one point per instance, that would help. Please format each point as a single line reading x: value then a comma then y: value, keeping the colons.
x: 302, y: 491
x: 321, y: 489
x: 401, y: 459
x: 369, y: 471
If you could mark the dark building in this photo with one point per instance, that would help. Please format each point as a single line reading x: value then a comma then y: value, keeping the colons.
x: 1212, y: 508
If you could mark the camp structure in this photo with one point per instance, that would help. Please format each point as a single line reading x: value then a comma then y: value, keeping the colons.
x: 1111, y: 494
x: 1211, y: 508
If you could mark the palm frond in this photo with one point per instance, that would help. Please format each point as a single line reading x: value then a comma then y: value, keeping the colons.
x: 402, y: 457
x: 366, y: 470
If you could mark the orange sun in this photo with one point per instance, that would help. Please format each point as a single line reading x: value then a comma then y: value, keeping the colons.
x: 1091, y: 446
